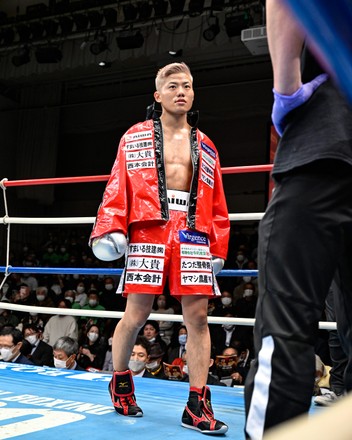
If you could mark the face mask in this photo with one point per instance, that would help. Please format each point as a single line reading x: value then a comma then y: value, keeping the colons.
x: 185, y: 369
x: 33, y: 313
x: 152, y: 365
x: 240, y: 258
x: 161, y: 304
x: 63, y: 249
x: 32, y: 339
x: 247, y: 279
x: 228, y: 327
x: 59, y: 363
x: 182, y: 339
x: 247, y: 292
x: 152, y: 340
x: 109, y: 286
x: 110, y: 341
x: 6, y: 354
x: 136, y: 366
x: 69, y: 299
x: 92, y: 302
x: 92, y: 336
x: 40, y: 297
x: 226, y: 301
x: 80, y: 289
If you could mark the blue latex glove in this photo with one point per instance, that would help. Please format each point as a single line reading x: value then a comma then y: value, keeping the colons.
x: 284, y: 104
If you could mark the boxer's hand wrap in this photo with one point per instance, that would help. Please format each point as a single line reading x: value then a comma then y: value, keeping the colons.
x: 218, y: 264
x: 110, y: 246
x: 284, y: 104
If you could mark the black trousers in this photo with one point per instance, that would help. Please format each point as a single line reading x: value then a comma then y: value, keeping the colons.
x: 304, y: 238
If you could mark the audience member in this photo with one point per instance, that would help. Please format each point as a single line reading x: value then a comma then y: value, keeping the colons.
x: 65, y: 351
x: 40, y: 352
x: 155, y: 364
x: 140, y: 357
x: 7, y: 317
x: 11, y: 340
x: 225, y: 305
x: 178, y: 344
x: 92, y: 349
x: 60, y: 325
x: 151, y: 332
x: 166, y: 327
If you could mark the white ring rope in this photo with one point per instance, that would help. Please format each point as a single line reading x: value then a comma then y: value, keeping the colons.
x: 155, y: 316
x: 90, y: 220
x: 7, y: 273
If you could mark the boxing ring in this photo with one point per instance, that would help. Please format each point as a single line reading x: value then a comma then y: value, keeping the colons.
x: 37, y: 402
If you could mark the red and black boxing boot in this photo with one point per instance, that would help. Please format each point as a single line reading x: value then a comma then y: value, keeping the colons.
x: 199, y: 415
x: 121, y: 389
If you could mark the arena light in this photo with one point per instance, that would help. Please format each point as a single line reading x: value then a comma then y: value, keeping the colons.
x: 130, y: 40
x: 99, y: 45
x: 213, y: 29
x: 176, y: 53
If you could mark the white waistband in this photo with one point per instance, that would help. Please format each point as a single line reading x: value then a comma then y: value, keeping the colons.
x: 178, y: 200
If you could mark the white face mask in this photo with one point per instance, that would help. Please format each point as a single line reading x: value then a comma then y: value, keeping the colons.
x: 69, y: 298
x: 151, y: 340
x: 59, y: 363
x: 226, y: 301
x: 92, y: 302
x: 182, y: 339
x: 92, y: 336
x: 80, y: 289
x: 136, y: 366
x: 6, y: 354
x: 152, y: 365
x: 40, y: 297
x: 32, y: 339
x: 56, y: 288
x: 240, y: 257
x: 33, y: 313
x: 109, y: 286
x: 247, y: 279
x: 247, y: 292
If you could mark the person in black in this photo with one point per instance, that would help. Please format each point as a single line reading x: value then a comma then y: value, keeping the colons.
x: 40, y: 352
x: 305, y: 236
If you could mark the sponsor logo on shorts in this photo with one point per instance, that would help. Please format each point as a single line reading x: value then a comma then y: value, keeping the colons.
x: 195, y: 251
x: 146, y: 249
x: 196, y: 278
x: 144, y: 263
x: 193, y: 237
x: 133, y: 277
x: 194, y: 264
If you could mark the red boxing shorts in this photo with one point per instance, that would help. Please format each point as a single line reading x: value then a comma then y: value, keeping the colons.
x: 158, y: 250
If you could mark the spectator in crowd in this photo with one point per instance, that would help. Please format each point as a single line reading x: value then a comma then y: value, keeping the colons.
x: 60, y: 325
x: 40, y: 352
x: 151, y: 332
x: 65, y: 351
x: 225, y: 306
x: 245, y: 306
x: 166, y: 327
x: 70, y: 295
x: 81, y: 296
x: 32, y: 318
x: 92, y: 349
x: 155, y: 364
x: 11, y: 340
x: 93, y: 304
x: 140, y: 357
x: 178, y: 344
x: 25, y: 297
x: 7, y: 318
x: 211, y: 380
x: 30, y: 281
x: 107, y: 365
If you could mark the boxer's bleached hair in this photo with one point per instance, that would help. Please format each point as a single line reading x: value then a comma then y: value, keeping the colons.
x: 171, y: 69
